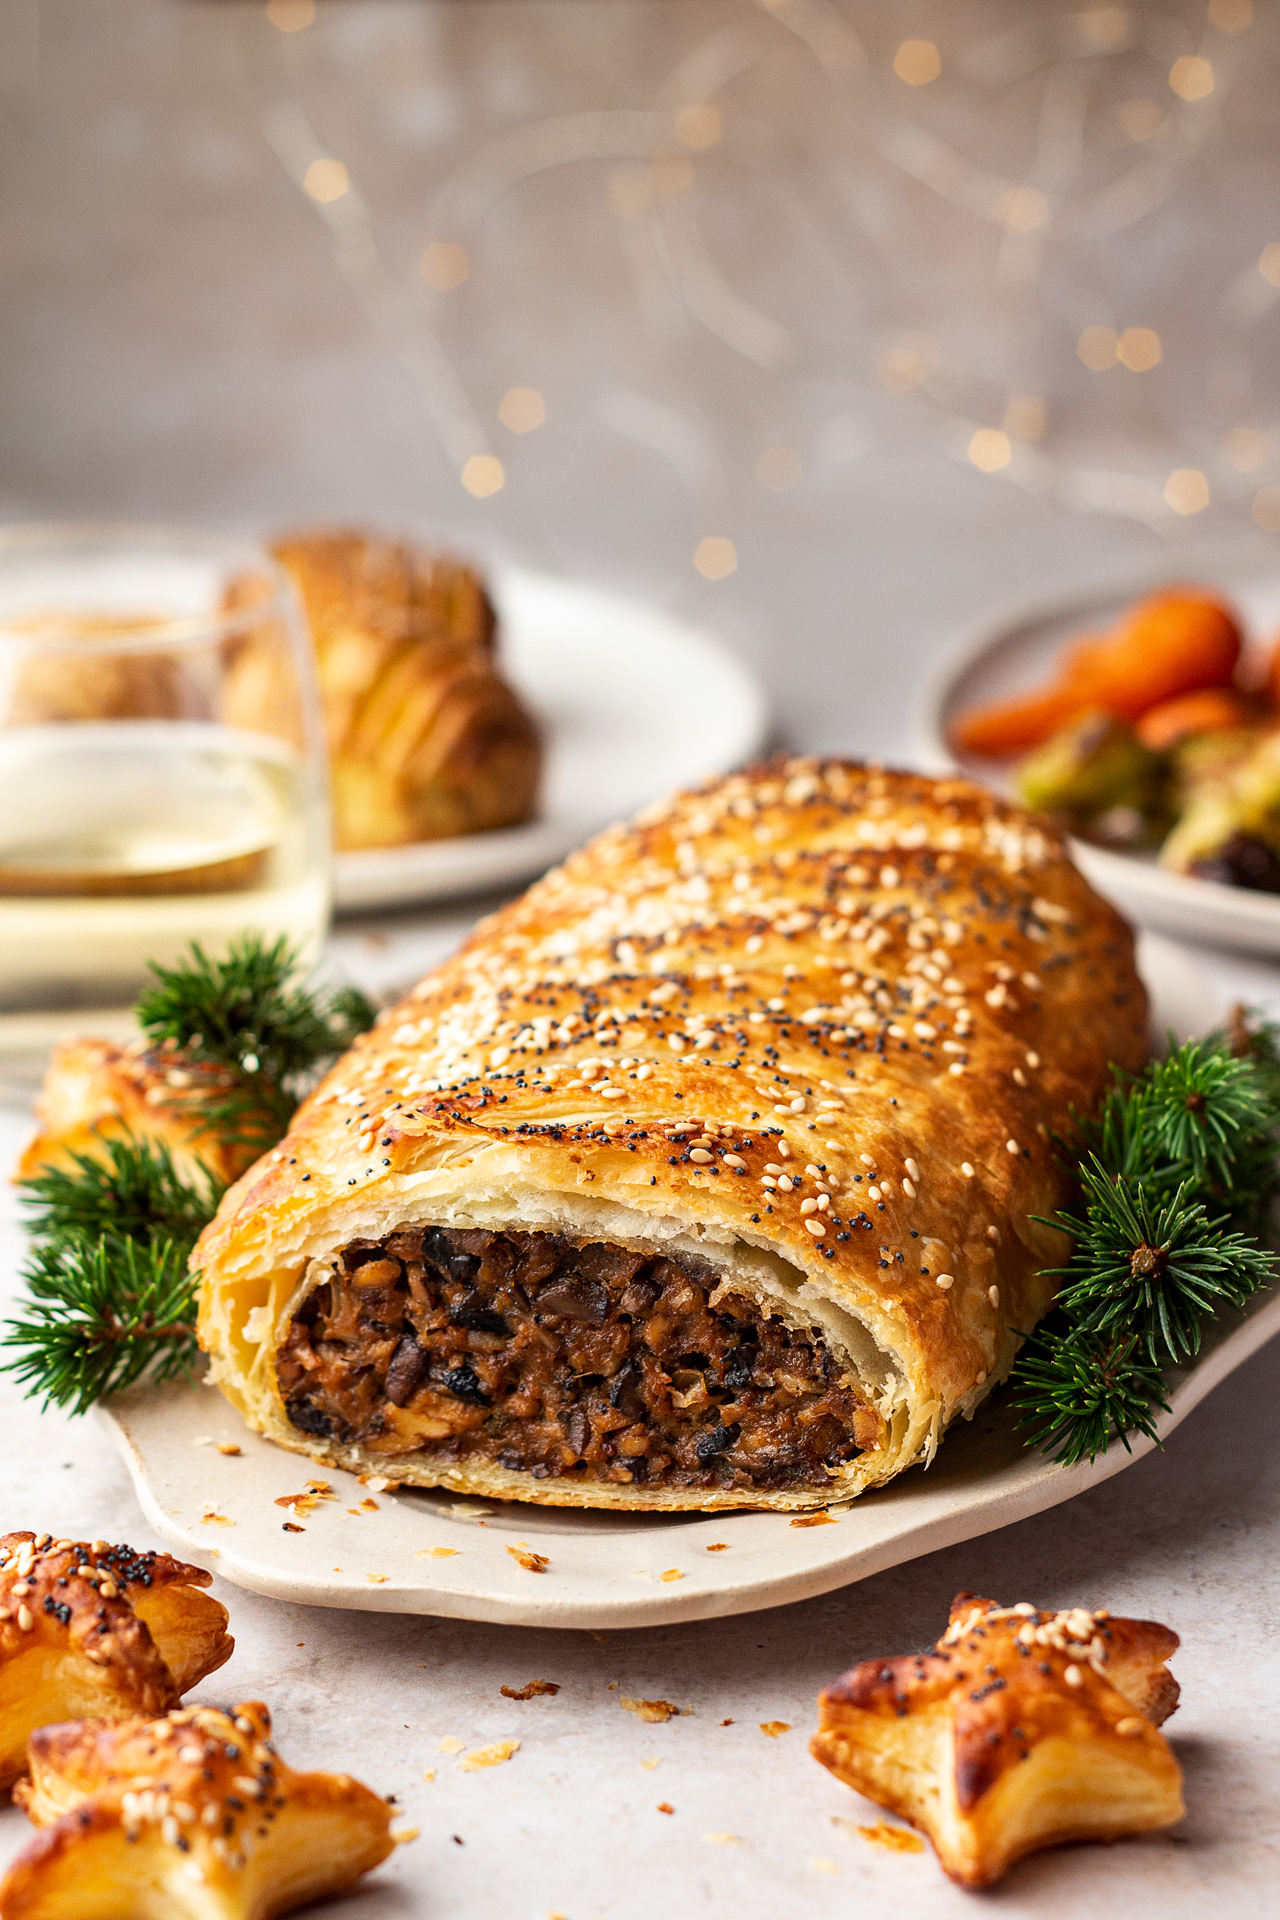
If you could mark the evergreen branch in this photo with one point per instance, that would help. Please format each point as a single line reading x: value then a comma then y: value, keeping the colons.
x: 1083, y: 1389
x: 102, y: 1315
x: 132, y: 1191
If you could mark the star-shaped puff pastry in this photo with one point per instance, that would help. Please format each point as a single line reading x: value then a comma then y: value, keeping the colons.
x: 91, y: 1630
x: 189, y: 1817
x: 1022, y: 1730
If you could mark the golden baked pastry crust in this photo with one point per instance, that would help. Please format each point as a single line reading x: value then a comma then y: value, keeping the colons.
x: 426, y: 737
x: 92, y: 1629
x: 1023, y: 1730
x: 95, y: 1090
x: 191, y: 1815
x: 813, y: 965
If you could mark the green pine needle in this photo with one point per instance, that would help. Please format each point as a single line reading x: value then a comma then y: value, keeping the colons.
x: 1153, y: 1265
x: 132, y: 1193
x: 102, y: 1315
x: 1081, y: 1390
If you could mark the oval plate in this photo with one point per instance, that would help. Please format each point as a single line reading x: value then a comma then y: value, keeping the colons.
x: 431, y: 1552
x: 632, y: 704
x: 1007, y: 652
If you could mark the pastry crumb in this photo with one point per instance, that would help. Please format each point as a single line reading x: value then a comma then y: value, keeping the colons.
x: 429, y: 1774
x: 437, y: 1553
x: 897, y: 1839
x: 291, y: 1526
x: 774, y: 1727
x: 376, y: 1579
x: 449, y: 1745
x: 822, y: 1863
x: 490, y: 1756
x: 657, y: 1711
x: 823, y: 1519
x: 672, y: 1573
x: 227, y: 1446
x: 718, y: 1546
x: 212, y: 1518
x: 655, y: 1760
x: 530, y: 1690
x: 376, y: 1482
x: 725, y: 1839
x: 665, y: 1806
x: 726, y: 1723
x: 403, y: 1835
x: 525, y: 1557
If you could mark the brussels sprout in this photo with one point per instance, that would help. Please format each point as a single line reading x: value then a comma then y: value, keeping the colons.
x: 1098, y: 777
x: 1230, y: 828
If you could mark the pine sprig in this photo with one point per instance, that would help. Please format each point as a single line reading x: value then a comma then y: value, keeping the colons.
x: 1081, y: 1389
x: 111, y: 1300
x: 1178, y: 1161
x: 252, y: 1033
x: 101, y: 1315
x: 132, y: 1192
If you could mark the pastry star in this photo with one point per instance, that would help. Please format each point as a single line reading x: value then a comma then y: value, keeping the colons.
x: 97, y: 1630
x: 191, y: 1817
x: 1021, y: 1730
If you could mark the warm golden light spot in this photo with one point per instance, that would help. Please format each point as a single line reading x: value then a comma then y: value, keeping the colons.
x: 1105, y: 28
x: 699, y: 126
x: 778, y: 468
x: 291, y: 16
x: 672, y: 173
x: 917, y: 62
x: 989, y: 450
x: 1269, y: 262
x: 1191, y: 77
x: 1026, y: 417
x: 1231, y: 16
x: 630, y: 195
x: 715, y: 557
x: 444, y: 265
x: 1186, y: 490
x: 522, y: 409
x: 483, y: 475
x: 1139, y: 349
x: 1247, y: 448
x: 1140, y: 119
x: 1266, y: 509
x: 1023, y: 209
x: 325, y: 180
x: 1098, y: 348
x: 902, y: 367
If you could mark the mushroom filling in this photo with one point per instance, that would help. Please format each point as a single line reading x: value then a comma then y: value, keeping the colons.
x: 560, y: 1358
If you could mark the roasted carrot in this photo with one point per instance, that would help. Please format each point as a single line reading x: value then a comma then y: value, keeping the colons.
x: 1173, y: 643
x: 1210, y: 710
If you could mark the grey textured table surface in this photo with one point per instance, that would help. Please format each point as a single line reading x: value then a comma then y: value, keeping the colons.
x: 178, y: 340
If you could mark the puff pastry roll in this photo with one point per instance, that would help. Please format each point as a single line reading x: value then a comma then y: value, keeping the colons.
x: 191, y: 1815
x: 1022, y: 1730
x: 92, y: 1629
x: 95, y: 1090
x: 706, y: 1175
x: 426, y: 737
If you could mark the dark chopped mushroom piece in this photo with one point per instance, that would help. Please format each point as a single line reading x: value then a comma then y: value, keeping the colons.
x: 556, y: 1357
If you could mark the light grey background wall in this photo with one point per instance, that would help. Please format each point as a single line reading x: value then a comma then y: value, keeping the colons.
x: 187, y: 333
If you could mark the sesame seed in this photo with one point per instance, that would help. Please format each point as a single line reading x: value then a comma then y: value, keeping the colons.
x: 612, y: 1093
x: 734, y: 1160
x: 1033, y: 1060
x: 912, y: 1168
x: 873, y: 1193
x: 982, y: 1374
x: 816, y: 1228
x: 1129, y: 1725
x: 955, y: 1068
x: 1073, y: 1676
x: 808, y: 1206
x: 25, y: 1620
x: 866, y: 1160
x: 993, y: 1295
x: 701, y: 1155
x: 1011, y: 1146
x: 786, y: 1184
x: 966, y: 1170
x: 946, y: 1280
x: 909, y: 1189
x: 993, y: 1234
x: 768, y: 1181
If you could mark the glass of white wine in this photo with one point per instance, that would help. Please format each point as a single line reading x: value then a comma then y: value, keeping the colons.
x: 162, y: 768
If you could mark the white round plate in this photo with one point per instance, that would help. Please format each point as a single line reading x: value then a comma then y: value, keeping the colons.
x: 430, y: 1552
x: 1013, y: 650
x: 632, y: 702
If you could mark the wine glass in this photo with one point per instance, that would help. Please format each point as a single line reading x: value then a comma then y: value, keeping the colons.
x: 163, y: 777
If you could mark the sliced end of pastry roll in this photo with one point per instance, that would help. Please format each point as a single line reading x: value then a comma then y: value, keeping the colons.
x: 709, y: 1174
x: 193, y: 1814
x: 97, y: 1630
x: 95, y: 1091
x: 1022, y: 1730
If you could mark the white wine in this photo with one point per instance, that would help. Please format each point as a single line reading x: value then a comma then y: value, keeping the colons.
x: 121, y: 841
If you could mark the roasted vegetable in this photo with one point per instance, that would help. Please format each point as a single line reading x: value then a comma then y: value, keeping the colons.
x: 1097, y: 773
x: 1230, y: 828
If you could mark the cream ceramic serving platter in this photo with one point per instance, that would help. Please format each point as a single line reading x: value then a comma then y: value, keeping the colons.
x: 367, y: 1547
x: 632, y: 704
x: 1015, y: 649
